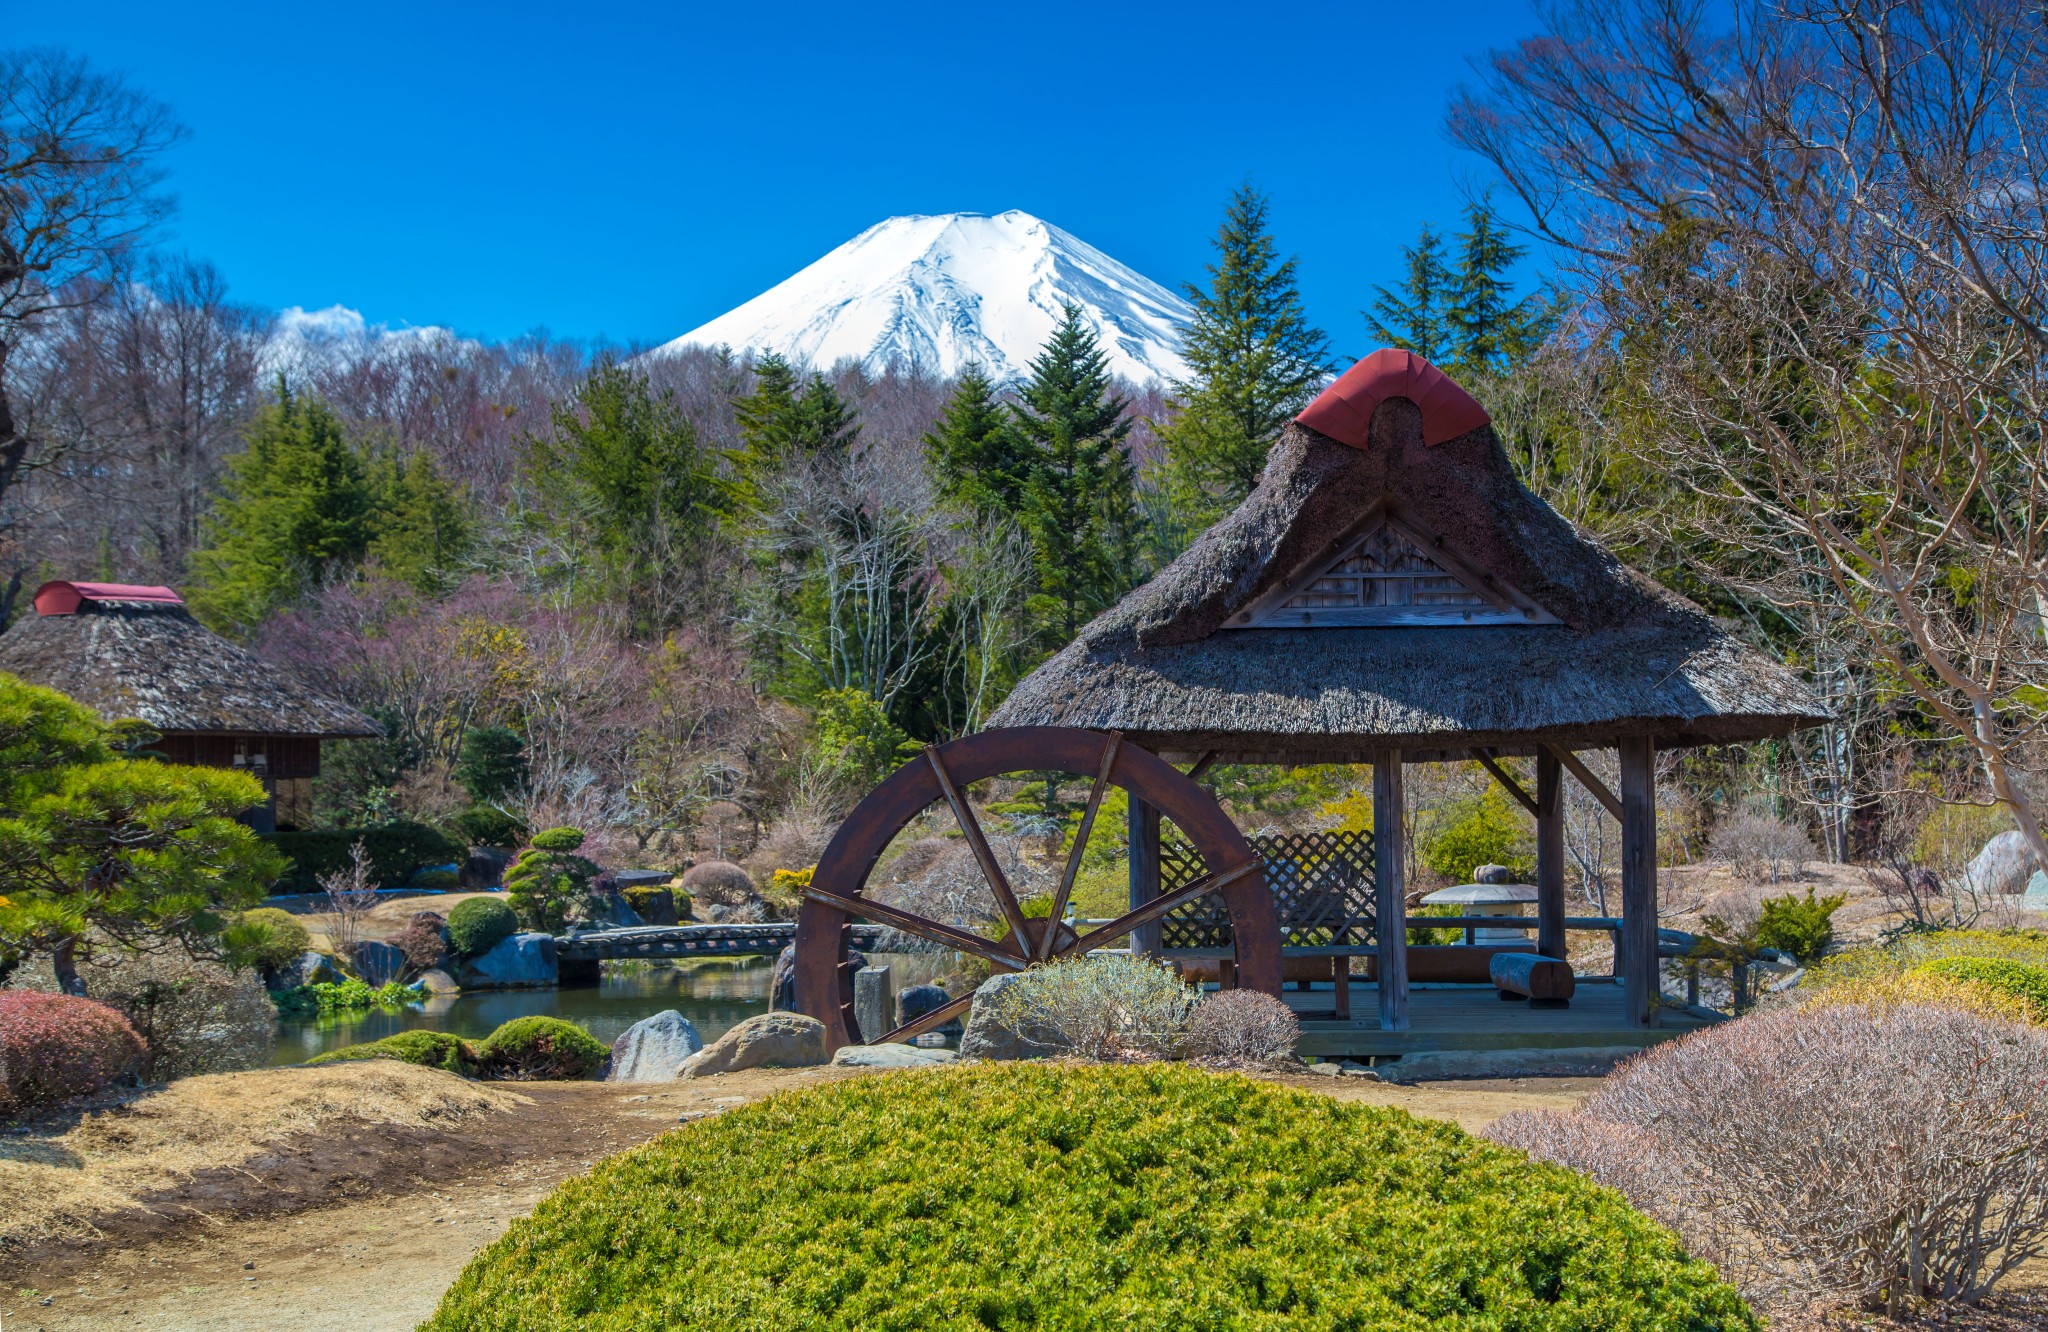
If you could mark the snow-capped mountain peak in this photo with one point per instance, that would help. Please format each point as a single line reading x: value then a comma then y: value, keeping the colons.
x: 942, y: 291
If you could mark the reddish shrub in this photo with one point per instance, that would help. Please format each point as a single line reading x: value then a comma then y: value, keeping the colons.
x: 424, y: 941
x: 54, y: 1047
x: 1241, y: 1028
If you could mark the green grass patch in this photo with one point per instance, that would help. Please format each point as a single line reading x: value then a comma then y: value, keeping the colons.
x: 1069, y: 1197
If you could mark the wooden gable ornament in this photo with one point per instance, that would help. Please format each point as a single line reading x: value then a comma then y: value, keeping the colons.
x: 1389, y: 572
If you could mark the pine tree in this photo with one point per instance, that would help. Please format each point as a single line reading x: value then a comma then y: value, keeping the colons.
x: 622, y: 476
x: 1257, y: 362
x: 295, y: 505
x: 1416, y: 317
x: 783, y: 423
x: 1490, y: 331
x: 422, y: 526
x: 975, y: 454
x: 1078, y: 507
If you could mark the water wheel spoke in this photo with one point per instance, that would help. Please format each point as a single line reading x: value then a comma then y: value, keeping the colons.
x: 1162, y: 905
x: 970, y: 828
x: 921, y: 926
x: 938, y: 1017
x: 1080, y: 849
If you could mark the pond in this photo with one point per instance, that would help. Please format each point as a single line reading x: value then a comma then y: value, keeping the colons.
x: 714, y: 995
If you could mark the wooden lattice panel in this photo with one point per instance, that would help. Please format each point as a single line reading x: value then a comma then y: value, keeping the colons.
x: 1322, y: 887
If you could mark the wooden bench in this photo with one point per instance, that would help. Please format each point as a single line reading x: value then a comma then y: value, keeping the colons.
x: 1544, y: 981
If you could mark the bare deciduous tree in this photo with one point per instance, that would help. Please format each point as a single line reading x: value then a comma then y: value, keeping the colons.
x: 1816, y: 236
x: 78, y: 190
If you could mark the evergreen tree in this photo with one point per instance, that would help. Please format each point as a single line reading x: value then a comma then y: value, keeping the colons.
x: 1416, y: 317
x: 783, y: 424
x: 296, y: 503
x: 622, y: 480
x: 1490, y: 331
x: 976, y: 456
x: 1078, y: 506
x: 1257, y: 362
x: 421, y: 524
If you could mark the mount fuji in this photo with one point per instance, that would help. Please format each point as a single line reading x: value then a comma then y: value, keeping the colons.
x: 939, y: 292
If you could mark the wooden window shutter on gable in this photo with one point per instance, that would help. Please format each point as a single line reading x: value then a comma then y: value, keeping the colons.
x: 1390, y: 573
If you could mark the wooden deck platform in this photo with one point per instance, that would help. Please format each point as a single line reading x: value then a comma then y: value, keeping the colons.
x: 1474, y: 1017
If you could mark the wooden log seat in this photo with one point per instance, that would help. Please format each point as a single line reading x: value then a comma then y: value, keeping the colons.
x: 1450, y: 964
x: 1544, y: 981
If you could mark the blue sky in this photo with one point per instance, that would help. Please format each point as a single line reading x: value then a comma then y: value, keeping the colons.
x: 628, y: 171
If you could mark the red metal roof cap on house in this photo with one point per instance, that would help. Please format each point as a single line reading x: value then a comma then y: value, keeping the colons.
x: 1344, y: 411
x: 63, y: 597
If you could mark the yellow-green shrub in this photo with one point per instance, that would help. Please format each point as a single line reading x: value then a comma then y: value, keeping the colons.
x: 1024, y: 1196
x: 2020, y: 981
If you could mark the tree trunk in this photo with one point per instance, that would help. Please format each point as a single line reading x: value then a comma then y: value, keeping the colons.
x: 64, y: 962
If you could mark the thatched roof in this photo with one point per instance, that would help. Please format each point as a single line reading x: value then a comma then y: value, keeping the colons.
x: 1570, y: 645
x: 145, y: 656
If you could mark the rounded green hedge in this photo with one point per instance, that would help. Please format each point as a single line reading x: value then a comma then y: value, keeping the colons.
x: 541, y: 1049
x: 268, y: 938
x: 432, y: 1049
x: 479, y: 924
x: 1055, y: 1197
x: 2021, y: 980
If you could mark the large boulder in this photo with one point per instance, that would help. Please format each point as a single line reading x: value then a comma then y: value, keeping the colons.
x: 653, y: 1049
x: 484, y: 870
x: 914, y: 1001
x: 513, y: 963
x: 377, y: 962
x: 892, y: 1055
x: 768, y: 1040
x: 309, y: 968
x: 611, y: 911
x: 782, y: 983
x: 438, y: 980
x: 2003, y: 866
x: 988, y: 1037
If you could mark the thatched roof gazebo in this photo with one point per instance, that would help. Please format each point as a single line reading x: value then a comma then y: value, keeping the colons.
x: 1391, y: 593
x: 132, y: 651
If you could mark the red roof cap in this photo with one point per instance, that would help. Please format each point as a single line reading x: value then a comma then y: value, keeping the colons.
x: 62, y: 597
x: 1344, y: 410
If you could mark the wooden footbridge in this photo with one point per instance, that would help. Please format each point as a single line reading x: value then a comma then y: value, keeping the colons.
x: 651, y: 941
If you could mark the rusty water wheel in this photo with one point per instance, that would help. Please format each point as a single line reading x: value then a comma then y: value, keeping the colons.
x: 824, y: 980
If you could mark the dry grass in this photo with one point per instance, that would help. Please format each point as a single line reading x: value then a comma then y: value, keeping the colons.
x: 387, y: 918
x: 57, y: 1176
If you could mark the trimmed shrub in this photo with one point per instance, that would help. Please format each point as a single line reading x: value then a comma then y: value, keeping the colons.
x: 1241, y: 1028
x: 487, y: 825
x: 1103, y: 1006
x: 440, y: 880
x: 267, y: 938
x: 1025, y: 1196
x: 549, y: 882
x: 479, y: 924
x: 430, y: 1049
x: 1875, y: 1153
x: 2020, y: 981
x: 719, y: 883
x: 558, y: 839
x: 54, y: 1047
x: 540, y: 1049
x: 395, y: 851
x: 656, y: 906
x: 1803, y: 927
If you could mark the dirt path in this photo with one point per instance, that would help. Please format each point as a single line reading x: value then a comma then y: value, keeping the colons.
x: 356, y: 1236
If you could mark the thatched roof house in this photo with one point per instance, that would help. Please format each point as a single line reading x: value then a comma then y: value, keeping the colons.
x: 1391, y: 593
x: 129, y: 651
x: 1399, y: 586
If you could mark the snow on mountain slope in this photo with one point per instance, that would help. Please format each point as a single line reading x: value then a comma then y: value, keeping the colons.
x: 941, y: 291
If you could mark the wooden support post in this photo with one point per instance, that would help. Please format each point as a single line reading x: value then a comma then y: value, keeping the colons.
x: 1639, y: 875
x: 1144, y: 872
x: 1389, y: 850
x: 1549, y: 855
x: 1340, y: 986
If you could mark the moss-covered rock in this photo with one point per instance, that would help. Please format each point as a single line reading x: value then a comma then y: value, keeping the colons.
x: 431, y: 1049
